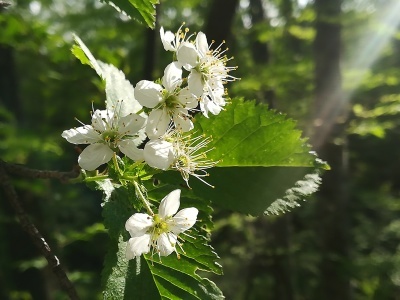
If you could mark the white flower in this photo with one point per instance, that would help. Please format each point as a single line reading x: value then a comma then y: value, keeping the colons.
x: 170, y: 41
x: 182, y: 153
x: 168, y: 101
x: 159, y: 231
x: 208, y: 72
x: 107, y: 133
x: 212, y: 104
x: 159, y: 154
x: 191, y: 158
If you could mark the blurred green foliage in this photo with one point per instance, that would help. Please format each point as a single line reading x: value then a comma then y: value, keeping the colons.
x: 262, y: 257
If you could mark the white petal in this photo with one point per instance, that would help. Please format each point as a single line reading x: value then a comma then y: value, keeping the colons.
x: 215, y: 86
x: 81, y: 135
x: 166, y: 244
x: 201, y: 43
x: 172, y: 76
x: 97, y: 120
x: 206, y: 105
x: 94, y: 155
x: 187, y: 55
x: 141, y: 136
x: 169, y: 204
x: 148, y: 93
x: 166, y: 39
x: 159, y: 154
x: 130, y: 124
x: 218, y: 97
x: 138, y: 246
x: 183, y: 220
x: 128, y: 147
x: 157, y: 123
x: 195, y: 83
x: 213, y: 108
x: 182, y: 120
x: 138, y: 224
x: 188, y: 99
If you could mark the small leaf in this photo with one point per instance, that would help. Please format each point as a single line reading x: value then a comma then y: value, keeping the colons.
x: 80, y: 51
x: 119, y: 91
x: 80, y: 54
x: 136, y: 9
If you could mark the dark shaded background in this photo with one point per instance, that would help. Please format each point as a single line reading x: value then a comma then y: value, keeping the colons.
x: 332, y: 65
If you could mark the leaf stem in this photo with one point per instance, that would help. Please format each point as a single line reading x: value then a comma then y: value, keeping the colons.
x: 142, y: 197
x: 116, y: 164
x: 140, y: 111
x: 95, y: 178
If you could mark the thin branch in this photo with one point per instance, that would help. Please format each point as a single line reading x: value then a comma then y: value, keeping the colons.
x: 33, y: 232
x: 23, y: 171
x: 4, y: 4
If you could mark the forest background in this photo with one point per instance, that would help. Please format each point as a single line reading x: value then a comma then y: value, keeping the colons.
x: 331, y: 65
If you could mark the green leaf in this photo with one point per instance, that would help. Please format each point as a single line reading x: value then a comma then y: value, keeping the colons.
x: 148, y: 278
x: 80, y: 54
x: 119, y: 91
x: 263, y: 161
x: 303, y: 188
x: 136, y: 9
x: 246, y: 134
x: 252, y: 190
x: 123, y: 279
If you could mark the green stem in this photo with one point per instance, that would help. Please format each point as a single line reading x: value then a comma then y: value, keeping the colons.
x: 140, y: 111
x: 143, y: 198
x: 80, y: 178
x: 129, y: 178
x: 116, y: 163
x: 95, y: 178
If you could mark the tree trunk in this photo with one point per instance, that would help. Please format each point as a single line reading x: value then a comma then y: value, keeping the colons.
x: 332, y: 202
x: 8, y: 84
x: 152, y: 36
x: 260, y: 51
x: 220, y: 19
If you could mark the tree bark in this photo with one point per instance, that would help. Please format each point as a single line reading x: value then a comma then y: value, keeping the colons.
x: 328, y: 81
x: 332, y: 227
x: 260, y: 51
x: 220, y: 18
x: 8, y: 83
x: 152, y: 36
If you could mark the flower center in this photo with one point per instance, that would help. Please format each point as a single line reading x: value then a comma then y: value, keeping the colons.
x: 184, y: 161
x: 171, y: 101
x: 110, y: 137
x: 160, y: 226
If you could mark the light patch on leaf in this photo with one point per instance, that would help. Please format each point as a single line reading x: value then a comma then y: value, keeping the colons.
x: 119, y: 91
x: 293, y: 196
x: 107, y: 187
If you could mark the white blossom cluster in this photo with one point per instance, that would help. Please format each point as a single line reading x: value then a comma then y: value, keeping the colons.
x: 168, y: 105
x: 162, y: 122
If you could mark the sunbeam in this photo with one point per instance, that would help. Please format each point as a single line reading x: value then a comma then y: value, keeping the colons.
x: 367, y: 52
